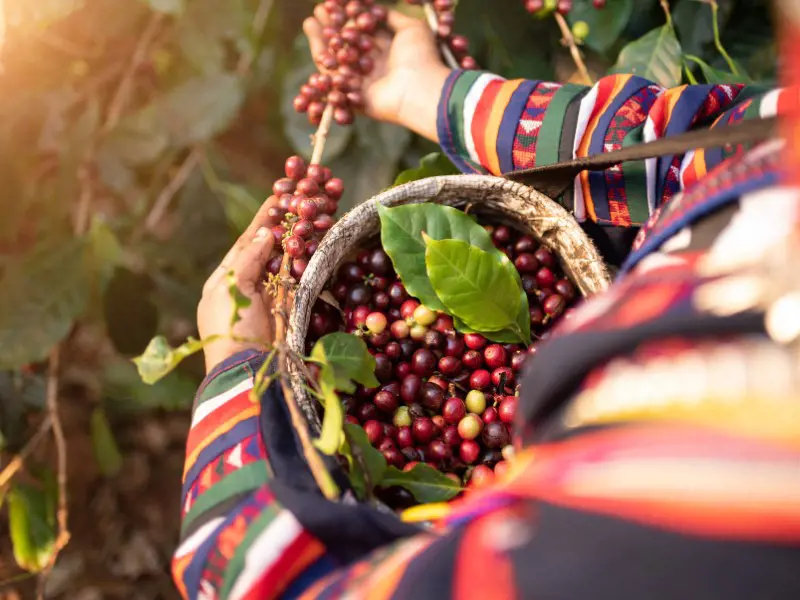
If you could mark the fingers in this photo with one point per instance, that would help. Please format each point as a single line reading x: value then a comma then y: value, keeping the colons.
x: 313, y: 30
x: 321, y: 15
x: 249, y: 265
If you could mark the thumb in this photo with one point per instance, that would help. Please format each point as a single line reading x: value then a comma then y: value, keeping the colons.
x: 249, y: 266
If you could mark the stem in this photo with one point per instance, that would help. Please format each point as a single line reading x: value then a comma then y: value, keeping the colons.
x: 569, y: 40
x: 718, y: 41
x: 665, y: 6
x: 689, y: 75
x: 433, y: 23
x: 164, y: 199
x: 321, y: 136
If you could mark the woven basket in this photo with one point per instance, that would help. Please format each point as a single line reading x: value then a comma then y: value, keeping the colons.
x: 492, y: 199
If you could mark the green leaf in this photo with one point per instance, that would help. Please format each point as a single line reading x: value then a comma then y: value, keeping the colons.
x: 655, y: 56
x: 159, y: 358
x: 425, y: 483
x: 473, y: 285
x: 332, y: 434
x: 716, y: 76
x: 240, y: 205
x: 127, y: 393
x: 43, y: 294
x: 371, y: 459
x: 168, y: 7
x: 106, y: 251
x: 606, y: 25
x: 240, y: 301
x: 32, y: 523
x: 106, y: 452
x: 349, y: 358
x: 431, y: 165
x: 203, y: 29
x: 509, y: 335
x: 401, y: 237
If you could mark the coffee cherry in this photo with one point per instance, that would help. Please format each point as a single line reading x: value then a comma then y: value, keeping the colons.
x: 472, y: 359
x: 402, y: 418
x: 323, y: 223
x: 380, y: 263
x: 504, y: 376
x: 459, y: 44
x: 410, y: 388
x: 454, y: 410
x: 404, y: 437
x: 295, y: 167
x: 474, y: 341
x: 526, y: 263
x: 545, y: 278
x: 564, y: 6
x: 495, y: 356
x: 381, y: 301
x: 394, y: 457
x: 599, y: 4
x: 431, y: 396
x: 508, y: 409
x: 294, y: 246
x: 495, y: 435
x: 399, y: 330
x: 360, y: 294
x: 376, y: 322
x: 402, y: 370
x: 408, y: 307
x: 433, y: 340
x: 545, y: 257
x: 383, y: 368
x: 475, y: 401
x: 564, y: 287
x: 508, y: 453
x: 397, y: 294
x: 408, y: 347
x: 481, y: 477
x: 417, y: 332
x: 454, y: 346
x: 537, y: 316
x: 386, y: 401
x: 360, y: 314
x: 480, y: 379
x: 554, y: 305
x: 307, y: 209
x: 450, y: 436
x: 518, y: 361
x: 449, y: 365
x: 424, y: 315
x: 392, y: 350
x: 468, y: 63
x: 423, y: 430
x: 470, y: 427
x: 469, y: 451
x: 374, y: 431
x: 438, y: 451
x: 423, y: 363
x: 490, y: 415
x: 580, y: 29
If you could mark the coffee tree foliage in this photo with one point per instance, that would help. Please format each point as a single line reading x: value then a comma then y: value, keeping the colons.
x: 138, y: 137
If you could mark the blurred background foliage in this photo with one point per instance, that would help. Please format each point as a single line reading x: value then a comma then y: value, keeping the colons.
x: 138, y: 137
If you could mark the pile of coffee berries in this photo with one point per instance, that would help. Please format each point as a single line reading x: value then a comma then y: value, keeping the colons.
x: 458, y: 44
x: 562, y: 6
x: 350, y: 35
x: 304, y: 204
x: 445, y: 398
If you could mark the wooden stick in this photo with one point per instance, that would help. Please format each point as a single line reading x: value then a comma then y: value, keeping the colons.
x: 433, y: 23
x: 569, y: 40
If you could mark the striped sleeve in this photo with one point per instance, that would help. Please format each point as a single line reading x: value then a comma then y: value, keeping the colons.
x: 490, y: 125
x: 237, y: 541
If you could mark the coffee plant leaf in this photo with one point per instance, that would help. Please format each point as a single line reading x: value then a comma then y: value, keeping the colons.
x: 431, y: 165
x: 401, y: 238
x: 332, y: 435
x: 508, y: 335
x: 43, y: 294
x: 32, y: 522
x: 473, y: 285
x: 204, y: 28
x: 349, y: 358
x: 106, y: 451
x: 425, y: 483
x: 717, y: 76
x: 159, y: 358
x: 240, y: 205
x: 656, y: 56
x: 606, y: 25
x: 126, y: 393
x: 368, y: 471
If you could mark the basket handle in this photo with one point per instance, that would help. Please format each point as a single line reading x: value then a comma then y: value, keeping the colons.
x: 553, y: 180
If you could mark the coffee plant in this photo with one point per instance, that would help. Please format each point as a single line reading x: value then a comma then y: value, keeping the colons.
x: 140, y: 137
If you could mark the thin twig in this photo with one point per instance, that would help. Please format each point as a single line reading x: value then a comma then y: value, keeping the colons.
x: 175, y: 184
x: 665, y: 8
x: 321, y: 135
x: 569, y: 41
x: 62, y: 509
x: 122, y: 95
x: 18, y: 461
x: 433, y: 23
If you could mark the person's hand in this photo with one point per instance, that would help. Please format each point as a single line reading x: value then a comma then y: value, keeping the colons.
x: 406, y: 83
x: 247, y: 261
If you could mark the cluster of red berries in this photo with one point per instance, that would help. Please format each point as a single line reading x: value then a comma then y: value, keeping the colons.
x: 304, y: 204
x: 562, y: 6
x: 350, y: 36
x: 445, y: 18
x: 445, y: 398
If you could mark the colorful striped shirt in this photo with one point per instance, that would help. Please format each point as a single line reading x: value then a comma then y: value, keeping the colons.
x: 490, y: 125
